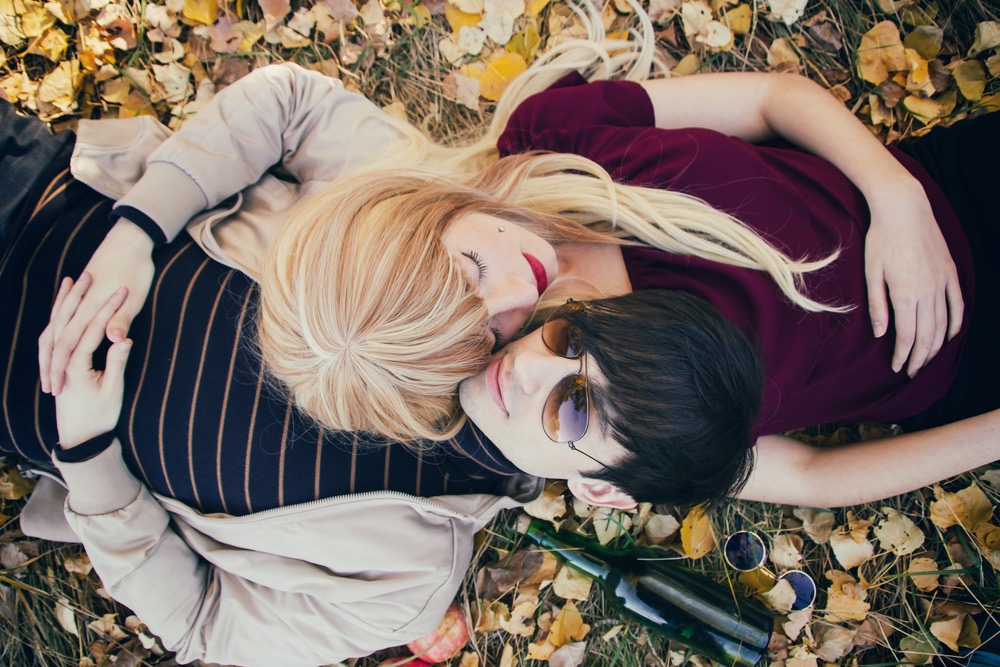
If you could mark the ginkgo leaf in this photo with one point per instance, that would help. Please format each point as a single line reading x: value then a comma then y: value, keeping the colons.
x: 697, y: 536
x: 881, y: 52
x: 59, y: 88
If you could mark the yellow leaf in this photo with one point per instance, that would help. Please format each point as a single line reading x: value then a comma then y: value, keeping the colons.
x: 801, y: 657
x: 889, y: 6
x: 660, y: 527
x: 948, y: 630
x: 252, y: 33
x: 571, y: 585
x: 520, y: 622
x: 850, y: 543
x: 499, y: 73
x: 969, y: 507
x: 786, y: 552
x: 610, y: 523
x: 928, y: 112
x: 846, y: 600
x: 541, y: 650
x: 987, y: 37
x: 201, y: 11
x: 738, y: 19
x: 781, y: 597
x: 535, y: 7
x: 568, y: 626
x: 925, y: 40
x: 880, y: 53
x: 782, y: 53
x: 507, y: 658
x: 458, y: 19
x: 925, y: 582
x: 971, y: 79
x: 551, y: 504
x: 35, y: 19
x: 689, y: 64
x: 989, y: 535
x: 52, y: 45
x: 918, y: 80
x: 817, y: 524
x: 697, y: 537
x: 469, y: 659
x: 526, y: 42
x: 492, y: 616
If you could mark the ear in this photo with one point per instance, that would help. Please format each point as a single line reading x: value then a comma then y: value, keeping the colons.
x: 601, y: 493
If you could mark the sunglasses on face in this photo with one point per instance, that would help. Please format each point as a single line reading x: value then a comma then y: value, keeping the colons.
x: 566, y: 413
x: 745, y: 551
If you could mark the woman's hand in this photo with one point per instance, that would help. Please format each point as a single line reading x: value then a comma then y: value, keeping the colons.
x: 906, y: 256
x: 123, y: 259
x: 90, y: 400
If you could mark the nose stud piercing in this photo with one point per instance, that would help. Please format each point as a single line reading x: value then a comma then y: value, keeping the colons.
x: 501, y: 229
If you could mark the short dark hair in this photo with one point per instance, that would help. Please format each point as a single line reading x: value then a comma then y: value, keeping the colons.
x: 681, y: 391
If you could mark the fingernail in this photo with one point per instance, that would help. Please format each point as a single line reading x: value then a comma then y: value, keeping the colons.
x: 878, y: 330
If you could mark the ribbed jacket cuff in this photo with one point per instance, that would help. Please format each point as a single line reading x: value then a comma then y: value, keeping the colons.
x: 101, y: 484
x: 166, y: 195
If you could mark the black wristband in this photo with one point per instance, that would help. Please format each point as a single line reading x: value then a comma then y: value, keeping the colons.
x: 140, y: 220
x: 86, y: 450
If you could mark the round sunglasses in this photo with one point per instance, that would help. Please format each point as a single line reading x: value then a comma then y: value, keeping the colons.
x: 745, y: 551
x: 566, y: 413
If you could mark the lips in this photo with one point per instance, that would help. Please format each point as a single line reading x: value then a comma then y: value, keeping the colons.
x: 493, y: 383
x: 541, y: 276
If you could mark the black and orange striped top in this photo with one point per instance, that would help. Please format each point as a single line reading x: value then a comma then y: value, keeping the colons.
x: 200, y: 423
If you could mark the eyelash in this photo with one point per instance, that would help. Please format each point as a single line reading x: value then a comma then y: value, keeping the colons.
x: 475, y: 257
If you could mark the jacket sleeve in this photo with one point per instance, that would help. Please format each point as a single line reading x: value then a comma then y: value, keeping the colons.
x: 276, y: 115
x: 197, y: 609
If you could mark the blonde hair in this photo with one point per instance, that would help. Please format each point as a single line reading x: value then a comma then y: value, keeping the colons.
x: 369, y: 322
x: 364, y: 316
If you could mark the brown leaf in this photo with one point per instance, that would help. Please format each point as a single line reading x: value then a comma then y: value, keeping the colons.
x: 13, y: 486
x: 697, y: 536
x: 275, y: 12
x: 925, y: 582
x: 948, y: 630
x: 846, y: 600
x: 876, y: 629
x: 827, y: 36
x: 817, y: 524
x: 833, y: 641
x: 898, y: 534
x: 550, y: 505
x: 527, y: 566
x: 925, y: 40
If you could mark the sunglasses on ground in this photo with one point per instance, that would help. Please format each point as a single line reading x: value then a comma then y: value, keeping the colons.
x: 745, y: 551
x: 566, y: 413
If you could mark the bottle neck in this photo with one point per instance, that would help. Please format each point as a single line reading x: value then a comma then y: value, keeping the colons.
x: 578, y: 552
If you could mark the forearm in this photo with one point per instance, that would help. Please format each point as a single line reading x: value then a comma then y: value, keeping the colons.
x: 793, y: 473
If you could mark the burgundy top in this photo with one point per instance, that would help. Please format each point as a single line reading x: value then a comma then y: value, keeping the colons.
x: 820, y: 367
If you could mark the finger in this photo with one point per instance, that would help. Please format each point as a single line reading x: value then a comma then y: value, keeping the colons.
x: 924, y: 339
x: 45, y: 340
x: 114, y: 369
x: 956, y: 307
x: 69, y: 304
x: 82, y: 357
x: 878, y: 307
x: 940, y: 325
x: 118, y: 327
x: 905, y: 314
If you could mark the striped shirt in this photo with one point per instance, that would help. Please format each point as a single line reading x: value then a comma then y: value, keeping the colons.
x: 201, y: 421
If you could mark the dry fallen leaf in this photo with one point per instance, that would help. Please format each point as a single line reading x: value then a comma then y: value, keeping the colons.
x: 987, y: 37
x: 881, y: 52
x: 499, y: 73
x: 568, y: 626
x: 569, y: 655
x: 13, y: 486
x: 781, y: 597
x: 795, y: 621
x: 571, y: 585
x: 956, y: 632
x: 817, y: 524
x: 697, y: 536
x: 898, y: 534
x: 507, y: 658
x: 786, y: 552
x: 490, y: 617
x: 66, y: 617
x: 551, y: 504
x: 521, y: 620
x: 927, y: 581
x: 846, y: 600
x: 918, y: 649
x: 788, y: 11
x: 850, y: 544
x: 660, y: 527
x: 971, y: 79
x: 969, y: 507
x: 610, y: 523
x: 800, y: 656
x: 833, y: 641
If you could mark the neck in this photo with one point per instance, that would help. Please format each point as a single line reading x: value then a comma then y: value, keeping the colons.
x: 589, y: 271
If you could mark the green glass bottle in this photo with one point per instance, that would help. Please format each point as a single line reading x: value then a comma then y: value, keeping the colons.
x: 682, y: 605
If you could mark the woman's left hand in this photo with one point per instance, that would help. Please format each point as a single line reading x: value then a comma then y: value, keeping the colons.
x: 91, y: 400
x: 906, y: 256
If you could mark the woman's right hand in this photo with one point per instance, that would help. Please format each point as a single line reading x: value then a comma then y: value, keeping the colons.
x: 124, y: 259
x: 91, y: 400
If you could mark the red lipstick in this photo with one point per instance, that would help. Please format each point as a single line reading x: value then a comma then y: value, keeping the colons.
x: 541, y: 277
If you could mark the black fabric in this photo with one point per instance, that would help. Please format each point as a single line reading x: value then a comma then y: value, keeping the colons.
x: 141, y: 220
x: 86, y: 450
x: 28, y: 154
x: 962, y: 160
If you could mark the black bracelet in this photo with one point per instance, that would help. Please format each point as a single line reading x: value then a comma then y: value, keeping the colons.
x: 86, y: 450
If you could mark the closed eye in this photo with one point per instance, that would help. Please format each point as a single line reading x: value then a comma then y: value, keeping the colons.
x: 475, y: 257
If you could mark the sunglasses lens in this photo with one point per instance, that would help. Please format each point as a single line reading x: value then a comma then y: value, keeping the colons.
x: 562, y: 337
x: 804, y: 587
x: 566, y: 414
x: 744, y: 551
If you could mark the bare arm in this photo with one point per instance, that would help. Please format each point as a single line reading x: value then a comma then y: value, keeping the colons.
x: 905, y: 252
x: 790, y: 472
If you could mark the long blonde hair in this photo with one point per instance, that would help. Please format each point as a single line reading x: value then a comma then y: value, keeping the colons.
x: 368, y: 321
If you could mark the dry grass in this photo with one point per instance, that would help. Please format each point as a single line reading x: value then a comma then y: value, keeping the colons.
x: 411, y: 71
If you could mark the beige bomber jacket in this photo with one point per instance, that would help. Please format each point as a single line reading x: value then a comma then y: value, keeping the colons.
x: 310, y: 584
